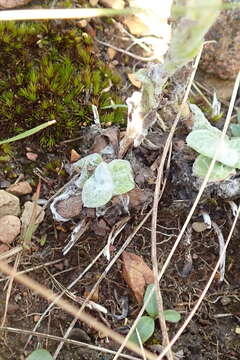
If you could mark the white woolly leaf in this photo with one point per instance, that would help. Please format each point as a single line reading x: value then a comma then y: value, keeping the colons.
x: 98, y: 189
x: 206, y: 142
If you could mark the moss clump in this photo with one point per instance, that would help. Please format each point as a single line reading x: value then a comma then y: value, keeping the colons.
x: 51, y: 71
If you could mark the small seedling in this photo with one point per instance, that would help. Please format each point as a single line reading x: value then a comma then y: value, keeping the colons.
x: 146, y: 325
x: 40, y: 354
x: 100, y: 181
x: 206, y: 140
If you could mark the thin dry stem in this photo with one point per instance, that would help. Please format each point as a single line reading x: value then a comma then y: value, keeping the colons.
x: 16, y: 263
x: 162, y: 321
x: 46, y: 14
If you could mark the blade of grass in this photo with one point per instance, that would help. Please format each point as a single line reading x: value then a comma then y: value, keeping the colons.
x: 28, y: 132
x: 38, y: 14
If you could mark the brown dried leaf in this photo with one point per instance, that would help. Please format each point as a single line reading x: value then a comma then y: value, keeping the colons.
x: 134, y: 80
x: 137, y: 274
x: 74, y: 156
x: 95, y: 295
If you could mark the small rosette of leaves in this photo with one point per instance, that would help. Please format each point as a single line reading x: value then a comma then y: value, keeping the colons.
x: 172, y: 316
x: 206, y: 140
x: 146, y: 325
x: 108, y: 180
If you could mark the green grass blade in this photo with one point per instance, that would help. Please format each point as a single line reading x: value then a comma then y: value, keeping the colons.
x: 28, y: 132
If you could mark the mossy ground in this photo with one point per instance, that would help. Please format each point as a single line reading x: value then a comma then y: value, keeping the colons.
x: 52, y: 70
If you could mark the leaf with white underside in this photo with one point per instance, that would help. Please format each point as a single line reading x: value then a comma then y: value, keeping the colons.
x: 220, y: 171
x: 98, y: 189
x: 206, y: 142
x: 122, y: 176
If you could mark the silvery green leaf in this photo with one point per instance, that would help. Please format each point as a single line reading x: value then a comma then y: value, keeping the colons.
x: 152, y: 306
x: 98, y: 189
x: 40, y: 354
x: 172, y: 316
x: 122, y: 176
x: 235, y: 129
x: 92, y: 160
x: 206, y: 142
x: 82, y: 178
x: 200, y: 122
x: 220, y: 172
x: 145, y: 328
x: 235, y: 144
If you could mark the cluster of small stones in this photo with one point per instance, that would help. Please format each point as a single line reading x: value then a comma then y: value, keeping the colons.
x: 13, y: 219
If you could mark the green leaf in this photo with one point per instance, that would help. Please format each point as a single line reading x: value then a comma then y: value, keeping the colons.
x: 151, y: 308
x: 172, y: 316
x: 206, y: 142
x: 235, y: 129
x: 28, y: 132
x: 98, y: 189
x: 145, y: 328
x: 122, y: 176
x: 220, y: 171
x: 40, y: 354
x: 235, y: 145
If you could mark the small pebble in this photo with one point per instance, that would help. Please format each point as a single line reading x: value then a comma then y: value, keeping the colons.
x: 19, y: 189
x: 10, y: 228
x: 93, y: 2
x: 9, y: 204
x: 225, y: 300
x: 31, y: 156
x: 199, y: 226
x: 3, y: 248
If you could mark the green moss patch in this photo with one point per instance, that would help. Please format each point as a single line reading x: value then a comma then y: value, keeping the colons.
x: 51, y: 70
